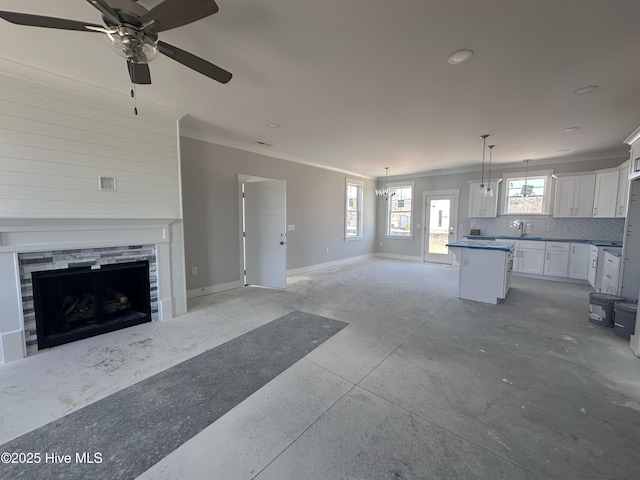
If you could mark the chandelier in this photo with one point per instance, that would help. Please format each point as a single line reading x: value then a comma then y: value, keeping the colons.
x: 385, y: 192
x: 482, y: 188
x: 526, y: 190
x: 488, y: 192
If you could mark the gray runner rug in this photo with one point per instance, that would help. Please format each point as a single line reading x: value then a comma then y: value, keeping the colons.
x: 126, y: 433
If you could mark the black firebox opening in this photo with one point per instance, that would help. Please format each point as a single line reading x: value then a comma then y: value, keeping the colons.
x: 81, y: 302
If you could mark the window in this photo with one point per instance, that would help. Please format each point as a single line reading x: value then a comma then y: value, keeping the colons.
x: 399, y: 212
x: 353, y: 210
x: 531, y: 198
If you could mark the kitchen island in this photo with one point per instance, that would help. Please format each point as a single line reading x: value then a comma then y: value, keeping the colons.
x: 485, y: 268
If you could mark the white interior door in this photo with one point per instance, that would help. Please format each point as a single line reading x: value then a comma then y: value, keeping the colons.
x: 265, y: 234
x: 440, y: 227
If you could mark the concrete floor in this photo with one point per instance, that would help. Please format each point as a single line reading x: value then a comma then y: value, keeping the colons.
x: 420, y: 385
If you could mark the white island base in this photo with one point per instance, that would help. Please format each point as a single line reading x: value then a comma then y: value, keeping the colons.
x: 485, y: 269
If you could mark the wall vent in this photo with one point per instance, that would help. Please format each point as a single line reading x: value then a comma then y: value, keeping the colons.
x: 107, y: 183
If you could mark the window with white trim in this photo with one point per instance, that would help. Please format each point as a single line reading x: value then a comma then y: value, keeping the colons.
x: 399, y: 211
x: 527, y: 196
x: 353, y: 210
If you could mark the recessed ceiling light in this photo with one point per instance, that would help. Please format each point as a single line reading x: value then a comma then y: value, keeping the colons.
x: 585, y: 90
x: 571, y: 129
x: 461, y: 56
x: 273, y: 125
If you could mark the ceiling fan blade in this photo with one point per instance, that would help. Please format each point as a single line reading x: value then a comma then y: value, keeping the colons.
x: 195, y: 63
x: 139, y: 73
x: 106, y: 10
x: 47, y: 22
x: 175, y: 13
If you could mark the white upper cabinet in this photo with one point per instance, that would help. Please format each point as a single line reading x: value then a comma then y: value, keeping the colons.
x: 606, y: 199
x: 574, y: 195
x: 481, y: 206
x: 623, y: 190
x: 634, y: 157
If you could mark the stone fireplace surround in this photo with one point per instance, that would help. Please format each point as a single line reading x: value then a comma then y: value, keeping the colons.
x: 27, y: 246
x: 61, y: 259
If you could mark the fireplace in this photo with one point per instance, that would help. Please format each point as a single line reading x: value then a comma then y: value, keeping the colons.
x: 29, y: 246
x: 75, y: 303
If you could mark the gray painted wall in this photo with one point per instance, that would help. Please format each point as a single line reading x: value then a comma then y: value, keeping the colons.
x: 315, y: 205
x: 412, y: 247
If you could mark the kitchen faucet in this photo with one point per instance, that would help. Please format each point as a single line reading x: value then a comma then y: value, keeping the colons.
x: 521, y: 228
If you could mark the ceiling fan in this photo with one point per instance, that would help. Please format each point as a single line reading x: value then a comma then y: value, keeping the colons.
x: 132, y: 31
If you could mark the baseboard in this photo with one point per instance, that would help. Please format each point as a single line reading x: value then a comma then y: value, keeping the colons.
x: 221, y: 287
x: 397, y: 256
x: 165, y: 309
x: 551, y: 278
x: 322, y: 266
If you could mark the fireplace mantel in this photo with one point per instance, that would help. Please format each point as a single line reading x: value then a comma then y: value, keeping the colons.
x: 39, y: 235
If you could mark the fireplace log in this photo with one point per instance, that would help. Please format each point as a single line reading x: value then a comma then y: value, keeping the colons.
x: 84, y: 303
x: 69, y: 303
x: 113, y: 306
x: 77, y: 316
x: 119, y: 296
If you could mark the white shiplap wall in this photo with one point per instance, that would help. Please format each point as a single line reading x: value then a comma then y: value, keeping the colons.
x: 54, y: 144
x: 55, y: 141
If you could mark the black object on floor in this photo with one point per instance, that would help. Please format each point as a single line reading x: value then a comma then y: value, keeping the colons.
x: 126, y: 433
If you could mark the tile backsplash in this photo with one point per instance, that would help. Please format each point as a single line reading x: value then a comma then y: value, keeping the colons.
x: 609, y: 229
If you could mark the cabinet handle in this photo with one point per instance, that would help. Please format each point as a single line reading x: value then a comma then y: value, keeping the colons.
x: 594, y: 263
x: 621, y: 207
x: 547, y: 255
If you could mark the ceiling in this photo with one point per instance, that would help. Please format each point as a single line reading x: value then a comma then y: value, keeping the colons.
x: 360, y: 85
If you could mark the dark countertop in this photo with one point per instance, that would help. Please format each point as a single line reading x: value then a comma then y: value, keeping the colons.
x: 597, y: 243
x: 504, y: 245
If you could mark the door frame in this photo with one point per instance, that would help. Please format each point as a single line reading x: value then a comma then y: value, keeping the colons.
x: 454, y: 213
x: 243, y: 178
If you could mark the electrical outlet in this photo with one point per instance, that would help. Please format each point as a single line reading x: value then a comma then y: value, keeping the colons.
x: 326, y: 250
x: 194, y: 270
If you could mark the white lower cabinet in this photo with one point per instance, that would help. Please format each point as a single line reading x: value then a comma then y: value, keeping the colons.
x: 556, y: 261
x: 610, y: 274
x: 592, y: 274
x: 579, y: 260
x: 529, y: 257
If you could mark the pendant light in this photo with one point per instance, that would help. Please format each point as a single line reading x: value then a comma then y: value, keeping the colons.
x: 488, y: 192
x: 482, y: 186
x: 385, y: 192
x: 524, y: 191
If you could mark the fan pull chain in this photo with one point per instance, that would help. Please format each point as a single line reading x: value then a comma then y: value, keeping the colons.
x: 133, y: 89
x: 135, y: 100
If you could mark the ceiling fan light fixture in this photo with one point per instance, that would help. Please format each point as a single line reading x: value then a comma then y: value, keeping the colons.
x: 461, y: 56
x: 134, y: 46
